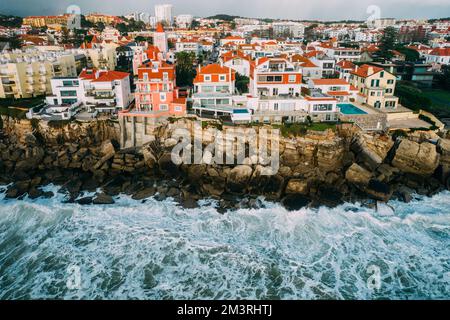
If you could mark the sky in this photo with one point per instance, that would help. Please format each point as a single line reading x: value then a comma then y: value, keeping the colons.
x: 281, y: 9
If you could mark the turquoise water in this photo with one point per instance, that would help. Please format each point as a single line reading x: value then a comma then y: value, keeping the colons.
x: 348, y: 108
x: 157, y: 250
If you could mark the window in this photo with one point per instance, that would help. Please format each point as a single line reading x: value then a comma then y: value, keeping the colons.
x: 275, y: 107
x: 390, y: 104
x: 207, y: 78
x: 390, y: 81
x: 70, y: 83
x: 292, y: 78
x: 389, y: 90
x: 145, y: 77
x: 68, y: 93
x: 165, y: 76
x: 381, y: 74
x: 178, y: 109
x: 163, y: 107
x: 222, y: 78
x: 375, y: 83
x: 207, y: 89
x: 162, y: 96
x: 275, y: 91
x: 291, y: 91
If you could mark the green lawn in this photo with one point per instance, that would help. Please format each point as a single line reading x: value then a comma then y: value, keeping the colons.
x: 17, y: 108
x: 440, y: 102
x: 297, y: 129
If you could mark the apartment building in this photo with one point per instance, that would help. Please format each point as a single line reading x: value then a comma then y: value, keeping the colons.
x: 28, y: 74
x: 338, y: 54
x: 275, y: 76
x: 238, y: 61
x: 213, y: 97
x: 232, y: 40
x: 43, y: 21
x: 344, y: 68
x: 438, y: 57
x: 339, y: 89
x: 103, y: 18
x: 156, y: 92
x: 288, y: 29
x: 188, y: 45
x: 98, y: 90
x: 375, y: 87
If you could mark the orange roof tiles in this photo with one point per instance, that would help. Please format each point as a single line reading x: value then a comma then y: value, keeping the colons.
x: 363, y: 71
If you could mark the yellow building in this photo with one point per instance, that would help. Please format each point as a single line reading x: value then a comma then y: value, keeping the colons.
x: 106, y: 19
x: 28, y: 74
x: 375, y: 86
x: 42, y: 21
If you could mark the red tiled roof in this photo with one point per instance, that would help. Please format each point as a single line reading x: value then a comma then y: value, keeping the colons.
x: 363, y: 71
x: 344, y: 64
x: 442, y: 52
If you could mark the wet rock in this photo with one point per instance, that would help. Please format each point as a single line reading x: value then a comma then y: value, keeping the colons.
x: 84, y: 201
x: 103, y: 198
x: 35, y: 193
x: 297, y: 186
x: 144, y: 194
x: 238, y: 179
x: 295, y: 202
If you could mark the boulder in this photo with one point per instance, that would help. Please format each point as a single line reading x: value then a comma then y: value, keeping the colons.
x: 238, y: 179
x: 144, y: 194
x: 103, y: 198
x: 358, y: 175
x: 295, y: 202
x: 417, y: 158
x: 371, y: 150
x: 297, y: 186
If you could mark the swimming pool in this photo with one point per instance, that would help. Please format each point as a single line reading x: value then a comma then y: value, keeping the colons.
x: 348, y: 108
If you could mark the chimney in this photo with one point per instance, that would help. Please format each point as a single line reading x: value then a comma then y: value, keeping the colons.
x: 370, y: 71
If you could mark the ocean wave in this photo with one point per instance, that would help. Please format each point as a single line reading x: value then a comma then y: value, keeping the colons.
x: 158, y: 250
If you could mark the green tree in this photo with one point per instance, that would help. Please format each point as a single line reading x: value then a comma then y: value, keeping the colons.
x: 387, y: 43
x: 194, y: 24
x: 411, y: 55
x: 100, y: 26
x: 185, y: 69
x: 242, y: 83
x: 443, y: 79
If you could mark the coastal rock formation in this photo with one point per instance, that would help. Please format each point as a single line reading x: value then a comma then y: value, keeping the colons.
x: 416, y: 158
x: 316, y: 168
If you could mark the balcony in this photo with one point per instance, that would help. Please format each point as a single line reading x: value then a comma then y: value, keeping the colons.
x: 42, y: 72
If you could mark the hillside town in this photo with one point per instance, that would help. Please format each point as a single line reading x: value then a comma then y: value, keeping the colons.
x: 382, y: 74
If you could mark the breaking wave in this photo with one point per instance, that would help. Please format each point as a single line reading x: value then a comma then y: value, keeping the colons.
x: 158, y: 250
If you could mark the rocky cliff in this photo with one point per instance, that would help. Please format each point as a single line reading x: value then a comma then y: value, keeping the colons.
x: 318, y: 168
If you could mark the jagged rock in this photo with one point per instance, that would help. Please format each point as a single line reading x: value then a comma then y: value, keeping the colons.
x: 167, y: 166
x: 144, y: 194
x: 35, y: 193
x: 295, y: 202
x: 297, y: 186
x: 379, y: 190
x: 84, y: 201
x: 420, y: 159
x: 238, y: 178
x: 196, y: 172
x: 107, y: 148
x: 358, y: 175
x: 103, y: 198
x: 371, y: 149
